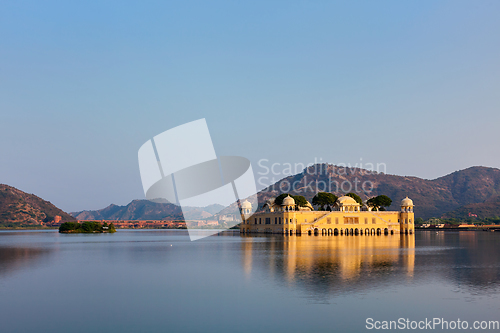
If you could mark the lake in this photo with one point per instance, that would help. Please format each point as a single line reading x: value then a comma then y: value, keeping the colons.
x: 159, y: 281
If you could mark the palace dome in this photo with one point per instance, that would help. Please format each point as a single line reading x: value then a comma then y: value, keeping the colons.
x: 407, y: 202
x: 246, y: 205
x: 346, y: 200
x: 288, y: 201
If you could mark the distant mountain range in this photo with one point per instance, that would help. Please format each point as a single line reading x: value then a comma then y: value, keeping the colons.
x: 146, y: 210
x: 18, y: 206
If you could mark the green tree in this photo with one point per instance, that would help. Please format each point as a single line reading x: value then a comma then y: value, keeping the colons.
x: 355, y: 197
x: 88, y: 226
x: 69, y: 226
x: 379, y: 202
x: 299, y: 199
x: 323, y: 199
x: 383, y: 201
x: 279, y: 199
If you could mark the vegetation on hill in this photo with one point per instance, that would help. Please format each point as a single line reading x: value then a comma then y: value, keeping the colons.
x: 21, y: 225
x: 86, y: 227
x: 20, y: 209
x: 477, y: 211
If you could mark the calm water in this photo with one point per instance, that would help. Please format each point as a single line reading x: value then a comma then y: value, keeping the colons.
x: 159, y: 281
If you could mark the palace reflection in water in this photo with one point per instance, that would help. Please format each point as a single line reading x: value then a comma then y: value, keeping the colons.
x: 337, y: 265
x: 331, y: 264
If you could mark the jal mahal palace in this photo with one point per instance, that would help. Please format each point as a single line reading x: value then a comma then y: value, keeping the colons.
x: 348, y: 217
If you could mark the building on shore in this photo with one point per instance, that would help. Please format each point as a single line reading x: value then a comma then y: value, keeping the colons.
x: 347, y: 218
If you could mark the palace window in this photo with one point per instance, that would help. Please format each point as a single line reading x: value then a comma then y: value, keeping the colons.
x: 410, y: 221
x: 328, y: 220
x: 268, y: 220
x: 366, y: 220
x: 255, y: 220
x: 260, y: 220
x: 279, y: 220
x: 275, y: 220
x: 351, y: 220
x: 374, y: 221
x: 336, y: 220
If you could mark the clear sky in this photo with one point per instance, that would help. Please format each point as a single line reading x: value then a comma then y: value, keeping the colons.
x: 412, y: 84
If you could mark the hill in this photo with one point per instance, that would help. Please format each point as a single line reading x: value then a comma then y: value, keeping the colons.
x: 17, y: 206
x: 482, y: 210
x: 145, y: 210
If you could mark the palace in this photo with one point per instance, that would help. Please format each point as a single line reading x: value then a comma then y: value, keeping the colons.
x: 347, y: 218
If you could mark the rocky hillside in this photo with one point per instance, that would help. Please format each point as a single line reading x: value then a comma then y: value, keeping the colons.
x: 432, y: 198
x: 145, y: 210
x: 18, y: 206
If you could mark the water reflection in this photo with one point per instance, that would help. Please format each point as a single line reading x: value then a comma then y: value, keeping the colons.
x: 469, y: 259
x: 332, y: 265
x: 326, y: 266
x: 15, y: 258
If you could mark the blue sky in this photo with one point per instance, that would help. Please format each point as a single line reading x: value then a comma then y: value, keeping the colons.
x: 412, y: 84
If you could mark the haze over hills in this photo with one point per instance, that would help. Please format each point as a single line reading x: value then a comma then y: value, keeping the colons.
x: 474, y: 190
x: 18, y: 206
